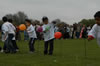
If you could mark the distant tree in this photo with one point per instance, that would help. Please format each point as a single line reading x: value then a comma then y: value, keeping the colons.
x: 21, y: 17
x: 9, y: 16
x: 87, y: 22
x: 1, y: 22
x: 18, y: 18
x: 37, y: 22
x: 58, y: 21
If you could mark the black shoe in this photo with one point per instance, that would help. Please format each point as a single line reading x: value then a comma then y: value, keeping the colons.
x: 45, y: 52
x: 6, y: 51
x: 50, y: 53
x: 13, y: 52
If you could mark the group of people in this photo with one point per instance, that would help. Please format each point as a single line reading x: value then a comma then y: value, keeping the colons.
x: 68, y: 32
x: 9, y: 33
x: 8, y: 36
x: 74, y: 31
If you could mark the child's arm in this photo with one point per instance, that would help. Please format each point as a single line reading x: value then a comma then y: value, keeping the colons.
x: 45, y: 29
x: 5, y: 29
x: 14, y: 28
x: 93, y: 32
x: 5, y: 36
x: 30, y: 30
x: 90, y: 37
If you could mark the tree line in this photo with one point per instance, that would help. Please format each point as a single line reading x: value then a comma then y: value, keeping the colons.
x: 19, y: 18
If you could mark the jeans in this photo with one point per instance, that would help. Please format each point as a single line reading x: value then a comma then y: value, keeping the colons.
x: 49, y: 44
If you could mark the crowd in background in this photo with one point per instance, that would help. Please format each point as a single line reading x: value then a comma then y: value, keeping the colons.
x: 68, y: 31
x: 74, y: 31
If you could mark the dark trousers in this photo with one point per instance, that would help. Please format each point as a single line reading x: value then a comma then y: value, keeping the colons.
x: 8, y: 45
x: 14, y: 44
x: 31, y: 45
x: 0, y: 48
x: 72, y: 34
x: 49, y: 44
x: 4, y: 47
x: 77, y: 34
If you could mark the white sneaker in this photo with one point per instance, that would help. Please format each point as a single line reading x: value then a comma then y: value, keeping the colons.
x: 2, y: 51
x: 17, y: 50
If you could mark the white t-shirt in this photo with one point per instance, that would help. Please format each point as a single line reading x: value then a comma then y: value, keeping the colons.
x: 88, y: 29
x: 8, y: 28
x: 48, y: 35
x: 56, y: 29
x: 31, y: 31
x: 95, y: 32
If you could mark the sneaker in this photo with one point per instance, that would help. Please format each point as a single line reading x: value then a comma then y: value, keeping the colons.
x: 2, y: 51
x: 31, y: 52
x: 17, y: 50
x: 45, y: 52
x: 50, y: 53
x: 6, y: 51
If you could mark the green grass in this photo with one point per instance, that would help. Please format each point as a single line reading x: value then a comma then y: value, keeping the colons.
x: 66, y: 53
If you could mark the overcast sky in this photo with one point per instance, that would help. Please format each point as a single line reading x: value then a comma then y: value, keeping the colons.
x: 69, y: 11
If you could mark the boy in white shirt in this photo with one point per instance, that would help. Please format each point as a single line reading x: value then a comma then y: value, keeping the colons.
x: 7, y: 36
x: 48, y: 32
x: 14, y: 39
x: 32, y: 35
x: 95, y: 31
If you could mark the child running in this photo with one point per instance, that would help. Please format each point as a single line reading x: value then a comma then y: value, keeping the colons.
x: 95, y: 31
x: 32, y: 35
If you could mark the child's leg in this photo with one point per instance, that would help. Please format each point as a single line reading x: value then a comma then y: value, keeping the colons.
x: 14, y: 44
x: 46, y: 47
x: 31, y: 45
x: 10, y: 44
x: 51, y: 46
x: 0, y: 48
x: 5, y: 47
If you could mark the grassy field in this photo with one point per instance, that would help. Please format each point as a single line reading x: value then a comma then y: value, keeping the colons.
x: 66, y: 53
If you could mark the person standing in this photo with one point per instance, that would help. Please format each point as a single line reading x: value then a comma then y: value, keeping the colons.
x: 7, y: 36
x: 32, y: 35
x: 14, y: 38
x: 48, y: 32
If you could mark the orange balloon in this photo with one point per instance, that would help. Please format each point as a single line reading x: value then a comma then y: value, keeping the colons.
x: 22, y: 27
x: 58, y: 35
